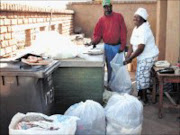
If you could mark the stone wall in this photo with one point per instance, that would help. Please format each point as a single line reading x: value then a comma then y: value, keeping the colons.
x: 19, y: 25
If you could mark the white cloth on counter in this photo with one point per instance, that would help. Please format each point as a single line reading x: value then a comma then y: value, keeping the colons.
x: 87, y: 53
x: 54, y: 45
x: 57, y: 46
x: 40, y: 124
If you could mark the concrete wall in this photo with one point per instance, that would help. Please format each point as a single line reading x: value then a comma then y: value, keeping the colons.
x: 87, y: 14
x: 161, y: 27
x: 19, y: 25
x: 173, y: 31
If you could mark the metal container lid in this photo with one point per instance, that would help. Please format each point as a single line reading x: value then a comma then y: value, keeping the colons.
x: 17, y: 68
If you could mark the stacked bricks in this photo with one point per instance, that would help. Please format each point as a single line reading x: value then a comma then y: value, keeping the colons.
x: 19, y: 25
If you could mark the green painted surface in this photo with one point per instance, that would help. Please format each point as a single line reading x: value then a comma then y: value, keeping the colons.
x: 75, y: 84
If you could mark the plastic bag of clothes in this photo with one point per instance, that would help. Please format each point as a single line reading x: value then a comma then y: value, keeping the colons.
x: 54, y: 45
x: 120, y: 79
x: 40, y: 124
x: 124, y: 115
x: 92, y: 118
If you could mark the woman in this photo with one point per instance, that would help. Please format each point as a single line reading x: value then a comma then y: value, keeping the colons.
x: 143, y: 47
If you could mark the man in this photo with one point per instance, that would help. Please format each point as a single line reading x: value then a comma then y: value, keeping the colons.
x: 112, y: 29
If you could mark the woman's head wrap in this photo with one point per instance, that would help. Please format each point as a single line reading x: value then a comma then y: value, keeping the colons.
x: 142, y: 12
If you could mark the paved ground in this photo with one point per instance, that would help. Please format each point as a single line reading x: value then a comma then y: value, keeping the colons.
x: 152, y: 125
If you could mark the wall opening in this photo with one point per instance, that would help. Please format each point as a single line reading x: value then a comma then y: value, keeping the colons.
x: 60, y: 28
x: 52, y: 27
x: 27, y: 37
x: 42, y: 28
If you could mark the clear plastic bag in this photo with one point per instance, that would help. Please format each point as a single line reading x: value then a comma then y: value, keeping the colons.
x: 124, y: 115
x: 92, y: 118
x: 120, y: 79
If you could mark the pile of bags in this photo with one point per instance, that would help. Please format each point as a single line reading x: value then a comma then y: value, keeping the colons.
x: 123, y: 114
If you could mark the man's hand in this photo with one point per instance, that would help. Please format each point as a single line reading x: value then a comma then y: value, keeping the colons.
x: 127, y: 60
x: 88, y: 44
x: 120, y: 50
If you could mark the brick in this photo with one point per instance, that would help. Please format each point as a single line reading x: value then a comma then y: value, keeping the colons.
x: 3, y: 15
x: 4, y: 43
x: 7, y: 36
x: 34, y: 20
x: 13, y: 21
x: 40, y: 20
x: 14, y: 48
x: 1, y: 22
x: 3, y: 29
x: 8, y: 49
x: 9, y: 29
x: 20, y: 21
x: 30, y: 20
x: 25, y: 21
x: 10, y: 15
x: 2, y: 52
x: 1, y: 37
x: 12, y: 42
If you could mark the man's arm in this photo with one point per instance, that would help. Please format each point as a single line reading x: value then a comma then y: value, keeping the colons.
x: 123, y: 34
x: 97, y: 35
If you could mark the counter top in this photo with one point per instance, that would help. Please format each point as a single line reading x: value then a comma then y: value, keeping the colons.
x: 90, y: 61
x: 85, y: 60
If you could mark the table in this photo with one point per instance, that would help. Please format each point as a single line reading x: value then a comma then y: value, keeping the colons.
x: 161, y: 79
x: 78, y: 79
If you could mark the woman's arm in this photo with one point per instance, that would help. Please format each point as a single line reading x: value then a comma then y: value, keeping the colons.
x: 135, y: 54
x: 130, y: 50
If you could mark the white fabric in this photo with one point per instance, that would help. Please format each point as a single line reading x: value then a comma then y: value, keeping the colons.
x: 54, y: 45
x: 144, y: 35
x: 66, y: 125
x: 142, y: 12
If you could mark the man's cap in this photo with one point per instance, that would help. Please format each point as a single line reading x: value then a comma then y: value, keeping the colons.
x: 106, y: 2
x: 142, y: 12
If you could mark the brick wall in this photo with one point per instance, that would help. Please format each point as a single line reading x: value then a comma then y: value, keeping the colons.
x: 19, y: 25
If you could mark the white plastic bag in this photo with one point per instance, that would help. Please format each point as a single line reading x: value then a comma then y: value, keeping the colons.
x: 120, y: 79
x: 92, y: 118
x: 67, y: 125
x: 124, y: 115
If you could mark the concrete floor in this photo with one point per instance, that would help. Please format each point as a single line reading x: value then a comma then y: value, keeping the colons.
x: 152, y: 125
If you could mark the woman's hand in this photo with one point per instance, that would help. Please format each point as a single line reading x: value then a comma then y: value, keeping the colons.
x: 127, y: 60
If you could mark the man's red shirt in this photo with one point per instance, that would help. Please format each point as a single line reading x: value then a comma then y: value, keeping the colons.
x: 112, y: 29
